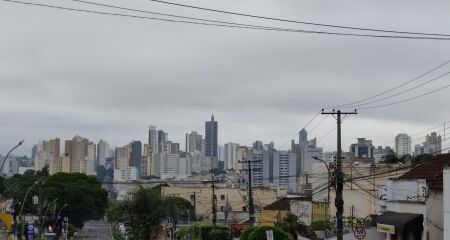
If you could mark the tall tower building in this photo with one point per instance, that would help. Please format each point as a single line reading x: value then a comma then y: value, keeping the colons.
x: 152, y: 139
x: 193, y: 142
x: 301, y: 155
x: 102, y: 152
x: 122, y: 157
x: 78, y: 154
x: 162, y: 136
x: 211, y: 144
x: 91, y: 166
x: 230, y: 152
x: 402, y: 144
x: 136, y: 156
x: 432, y: 144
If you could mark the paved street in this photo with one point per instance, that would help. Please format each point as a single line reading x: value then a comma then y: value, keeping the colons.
x: 98, y: 230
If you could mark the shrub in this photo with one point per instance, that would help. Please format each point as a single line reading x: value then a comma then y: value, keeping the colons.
x: 260, y: 234
x: 247, y: 233
x: 220, y: 233
x: 322, y: 225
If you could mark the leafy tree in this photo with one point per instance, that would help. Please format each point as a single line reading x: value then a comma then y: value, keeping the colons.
x: 142, y: 215
x: 177, y: 209
x: 421, y: 158
x: 291, y: 225
x: 84, y: 196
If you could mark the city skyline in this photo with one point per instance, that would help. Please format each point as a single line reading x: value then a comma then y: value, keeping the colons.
x: 115, y: 90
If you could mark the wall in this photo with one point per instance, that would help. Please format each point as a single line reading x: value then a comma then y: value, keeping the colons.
x: 446, y: 199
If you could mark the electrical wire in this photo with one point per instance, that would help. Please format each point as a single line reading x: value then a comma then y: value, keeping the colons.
x: 406, y: 100
x: 392, y: 89
x: 299, y: 22
x: 235, y: 25
x: 400, y: 93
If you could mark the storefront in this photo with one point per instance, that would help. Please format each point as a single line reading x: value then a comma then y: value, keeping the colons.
x: 400, y: 226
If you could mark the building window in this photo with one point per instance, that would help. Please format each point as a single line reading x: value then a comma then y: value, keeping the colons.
x: 222, y: 197
x: 244, y: 209
x: 222, y: 208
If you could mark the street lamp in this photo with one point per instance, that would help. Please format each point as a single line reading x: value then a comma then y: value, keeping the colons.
x: 329, y: 174
x: 45, y: 215
x: 56, y: 220
x: 7, y: 155
x: 23, y: 204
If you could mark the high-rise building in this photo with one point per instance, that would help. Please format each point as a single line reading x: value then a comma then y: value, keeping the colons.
x: 102, y: 152
x: 362, y: 150
x: 136, y: 156
x: 48, y: 154
x: 78, y: 154
x: 152, y: 139
x: 432, y: 144
x: 162, y: 136
x: 91, y: 166
x: 211, y: 141
x: 68, y: 148
x: 311, y: 151
x: 284, y: 170
x: 230, y: 151
x: 303, y: 143
x: 193, y: 142
x: 258, y: 146
x: 122, y: 157
x: 65, y: 163
x: 402, y: 144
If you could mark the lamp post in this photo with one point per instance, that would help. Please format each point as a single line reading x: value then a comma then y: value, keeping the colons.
x: 329, y: 174
x: 23, y: 204
x: 45, y: 215
x: 59, y: 212
x: 7, y: 155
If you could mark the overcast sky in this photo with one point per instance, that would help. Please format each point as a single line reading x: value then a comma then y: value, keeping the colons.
x: 106, y: 77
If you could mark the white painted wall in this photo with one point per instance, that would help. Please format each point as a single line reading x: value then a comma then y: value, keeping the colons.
x: 446, y: 198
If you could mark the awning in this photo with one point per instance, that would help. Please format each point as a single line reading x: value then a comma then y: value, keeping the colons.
x: 403, y: 222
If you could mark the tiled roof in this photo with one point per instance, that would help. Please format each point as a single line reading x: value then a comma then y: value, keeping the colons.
x: 431, y: 171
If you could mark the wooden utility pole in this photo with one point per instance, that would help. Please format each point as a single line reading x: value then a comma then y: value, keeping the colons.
x: 339, y: 201
x: 251, y: 205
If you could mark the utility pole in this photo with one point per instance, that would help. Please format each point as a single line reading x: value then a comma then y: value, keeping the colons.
x: 251, y: 205
x: 214, y: 200
x: 339, y: 201
x: 194, y: 198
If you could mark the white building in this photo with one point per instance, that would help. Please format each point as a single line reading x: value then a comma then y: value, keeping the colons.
x: 168, y: 163
x: 102, y: 152
x: 230, y: 151
x: 311, y: 152
x: 125, y: 174
x: 402, y: 144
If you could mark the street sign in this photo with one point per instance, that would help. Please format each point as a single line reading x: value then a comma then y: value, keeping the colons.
x: 35, y: 200
x: 359, y: 232
x: 269, y: 235
x: 30, y: 232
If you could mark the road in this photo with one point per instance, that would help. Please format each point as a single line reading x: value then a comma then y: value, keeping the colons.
x: 98, y: 230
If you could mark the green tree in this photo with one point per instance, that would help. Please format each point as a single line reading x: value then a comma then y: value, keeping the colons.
x: 177, y: 209
x: 291, y: 225
x: 142, y: 215
x: 84, y: 196
x: 260, y: 233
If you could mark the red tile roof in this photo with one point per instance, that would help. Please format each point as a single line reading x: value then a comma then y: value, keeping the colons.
x: 431, y: 171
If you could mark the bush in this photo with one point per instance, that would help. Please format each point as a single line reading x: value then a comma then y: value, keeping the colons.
x: 220, y: 233
x: 247, y: 233
x: 322, y: 225
x: 260, y: 234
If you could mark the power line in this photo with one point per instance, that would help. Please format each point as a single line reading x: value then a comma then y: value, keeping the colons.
x: 408, y: 99
x: 300, y: 22
x: 400, y: 93
x: 235, y: 25
x: 392, y: 89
